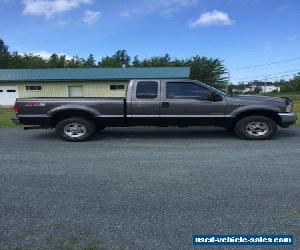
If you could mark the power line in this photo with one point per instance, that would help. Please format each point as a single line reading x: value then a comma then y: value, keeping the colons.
x: 267, y: 78
x: 266, y: 75
x: 276, y: 77
x: 267, y: 64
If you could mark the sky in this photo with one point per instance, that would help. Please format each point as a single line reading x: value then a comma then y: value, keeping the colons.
x: 242, y: 33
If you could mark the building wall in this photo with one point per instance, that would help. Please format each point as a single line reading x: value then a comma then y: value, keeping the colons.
x: 90, y: 89
x: 268, y: 89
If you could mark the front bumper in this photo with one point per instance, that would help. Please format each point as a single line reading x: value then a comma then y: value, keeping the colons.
x: 288, y: 119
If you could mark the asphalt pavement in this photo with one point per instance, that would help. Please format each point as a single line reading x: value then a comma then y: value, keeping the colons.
x: 145, y: 188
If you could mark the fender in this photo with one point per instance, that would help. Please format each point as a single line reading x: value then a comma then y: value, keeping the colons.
x: 73, y: 107
x: 248, y: 108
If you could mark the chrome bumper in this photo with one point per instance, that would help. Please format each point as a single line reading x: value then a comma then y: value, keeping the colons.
x: 288, y: 118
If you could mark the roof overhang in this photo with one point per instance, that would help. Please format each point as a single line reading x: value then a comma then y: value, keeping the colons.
x: 92, y: 74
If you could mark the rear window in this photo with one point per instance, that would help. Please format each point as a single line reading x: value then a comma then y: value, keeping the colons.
x: 147, y: 90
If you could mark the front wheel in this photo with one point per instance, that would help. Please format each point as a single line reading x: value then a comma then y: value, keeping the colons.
x: 75, y: 129
x: 255, y: 128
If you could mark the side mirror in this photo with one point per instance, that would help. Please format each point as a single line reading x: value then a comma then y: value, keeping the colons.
x: 213, y: 97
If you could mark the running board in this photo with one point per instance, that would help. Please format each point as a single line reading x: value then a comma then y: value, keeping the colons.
x: 33, y: 127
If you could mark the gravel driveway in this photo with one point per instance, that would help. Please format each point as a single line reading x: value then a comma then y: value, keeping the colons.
x: 146, y: 188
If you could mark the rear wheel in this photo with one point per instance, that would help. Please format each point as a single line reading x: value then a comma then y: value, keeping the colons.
x: 75, y: 129
x: 255, y: 128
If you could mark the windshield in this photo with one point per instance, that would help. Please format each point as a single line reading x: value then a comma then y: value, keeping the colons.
x: 220, y: 92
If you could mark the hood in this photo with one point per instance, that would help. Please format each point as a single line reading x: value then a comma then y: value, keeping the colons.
x: 258, y: 98
x: 253, y: 99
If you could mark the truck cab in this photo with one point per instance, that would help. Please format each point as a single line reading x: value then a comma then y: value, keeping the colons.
x: 175, y: 102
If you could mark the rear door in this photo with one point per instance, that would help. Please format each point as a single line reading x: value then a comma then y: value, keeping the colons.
x: 146, y: 101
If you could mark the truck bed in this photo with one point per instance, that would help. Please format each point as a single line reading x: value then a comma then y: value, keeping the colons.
x: 98, y: 107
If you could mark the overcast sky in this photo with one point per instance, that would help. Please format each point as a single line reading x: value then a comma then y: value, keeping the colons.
x: 240, y: 32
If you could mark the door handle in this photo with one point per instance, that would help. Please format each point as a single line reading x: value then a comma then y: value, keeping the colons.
x: 165, y: 104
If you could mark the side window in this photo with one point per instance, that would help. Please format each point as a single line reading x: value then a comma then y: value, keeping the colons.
x: 147, y: 90
x: 186, y: 90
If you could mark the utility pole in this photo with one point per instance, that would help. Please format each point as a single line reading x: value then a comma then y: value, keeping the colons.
x: 228, y: 83
x: 265, y: 90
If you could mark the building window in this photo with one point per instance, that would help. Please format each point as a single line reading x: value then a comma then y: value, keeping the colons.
x: 1, y: 90
x: 33, y: 88
x: 117, y: 87
x: 11, y: 91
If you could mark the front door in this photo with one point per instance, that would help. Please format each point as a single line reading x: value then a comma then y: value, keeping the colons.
x: 188, y: 102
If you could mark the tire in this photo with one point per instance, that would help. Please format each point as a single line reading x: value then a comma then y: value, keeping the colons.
x: 255, y: 128
x: 75, y: 129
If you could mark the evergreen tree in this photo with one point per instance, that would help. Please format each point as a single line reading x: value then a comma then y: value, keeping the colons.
x: 90, y: 61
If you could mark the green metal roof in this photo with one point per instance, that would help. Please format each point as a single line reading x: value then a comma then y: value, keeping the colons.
x: 92, y: 74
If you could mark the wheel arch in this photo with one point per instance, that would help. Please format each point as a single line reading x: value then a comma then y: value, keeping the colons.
x: 62, y: 114
x: 272, y: 114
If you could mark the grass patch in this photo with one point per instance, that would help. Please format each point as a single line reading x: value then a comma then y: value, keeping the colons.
x: 5, y: 115
x: 297, y: 110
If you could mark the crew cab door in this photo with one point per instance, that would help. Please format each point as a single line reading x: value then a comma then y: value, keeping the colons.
x: 188, y: 102
x: 145, y: 101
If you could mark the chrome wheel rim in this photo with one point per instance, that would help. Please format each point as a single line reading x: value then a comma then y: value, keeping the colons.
x: 257, y: 129
x: 74, y: 130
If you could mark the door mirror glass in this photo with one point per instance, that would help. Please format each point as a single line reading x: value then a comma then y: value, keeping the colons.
x: 214, y: 97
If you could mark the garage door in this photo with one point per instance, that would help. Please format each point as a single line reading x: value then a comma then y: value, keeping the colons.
x: 8, y: 95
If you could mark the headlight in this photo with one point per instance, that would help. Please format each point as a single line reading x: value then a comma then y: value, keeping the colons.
x: 289, y: 108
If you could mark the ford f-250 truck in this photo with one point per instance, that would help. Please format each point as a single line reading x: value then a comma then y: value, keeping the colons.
x: 164, y: 102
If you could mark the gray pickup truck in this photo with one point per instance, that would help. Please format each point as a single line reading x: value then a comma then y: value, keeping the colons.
x: 162, y: 103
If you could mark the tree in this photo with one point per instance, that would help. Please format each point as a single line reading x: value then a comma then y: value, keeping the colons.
x: 53, y: 61
x: 122, y: 58
x: 62, y: 61
x: 136, y: 61
x: 108, y: 62
x: 90, y: 61
x: 291, y: 85
x: 208, y: 70
x: 117, y: 60
x: 75, y: 62
x: 156, y: 61
x: 30, y: 61
x: 4, y: 54
x: 257, y: 90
